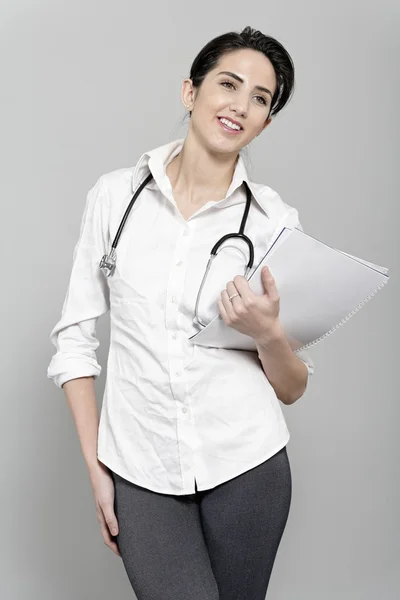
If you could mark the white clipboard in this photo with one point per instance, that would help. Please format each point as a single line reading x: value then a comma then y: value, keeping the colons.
x: 320, y: 289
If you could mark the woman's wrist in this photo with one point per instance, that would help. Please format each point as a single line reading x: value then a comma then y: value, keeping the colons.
x: 274, y: 334
x: 94, y: 466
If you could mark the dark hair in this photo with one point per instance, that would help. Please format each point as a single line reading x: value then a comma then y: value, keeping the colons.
x: 282, y: 63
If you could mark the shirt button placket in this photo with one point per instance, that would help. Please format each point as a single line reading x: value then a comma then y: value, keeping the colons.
x: 178, y: 349
x: 174, y: 293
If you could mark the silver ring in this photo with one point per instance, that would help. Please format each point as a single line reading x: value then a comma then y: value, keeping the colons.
x: 230, y: 297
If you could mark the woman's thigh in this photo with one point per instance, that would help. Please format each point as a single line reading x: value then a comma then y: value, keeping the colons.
x: 217, y: 544
x: 243, y: 521
x: 162, y: 544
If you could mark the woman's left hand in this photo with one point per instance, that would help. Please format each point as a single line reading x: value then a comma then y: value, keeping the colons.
x: 253, y: 315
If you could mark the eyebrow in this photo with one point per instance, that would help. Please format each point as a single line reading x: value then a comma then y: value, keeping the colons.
x: 258, y: 87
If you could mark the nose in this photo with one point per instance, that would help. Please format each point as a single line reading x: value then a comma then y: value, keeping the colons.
x: 238, y: 110
x: 240, y: 106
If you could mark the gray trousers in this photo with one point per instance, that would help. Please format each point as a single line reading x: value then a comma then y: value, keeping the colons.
x: 215, y: 544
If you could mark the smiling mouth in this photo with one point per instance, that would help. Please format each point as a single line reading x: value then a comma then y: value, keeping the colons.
x: 226, y: 127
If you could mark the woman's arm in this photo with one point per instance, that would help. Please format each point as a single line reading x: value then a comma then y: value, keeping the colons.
x: 75, y: 366
x: 81, y: 398
x: 287, y: 373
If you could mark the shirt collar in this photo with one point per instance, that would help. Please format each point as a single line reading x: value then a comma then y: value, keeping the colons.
x: 157, y: 159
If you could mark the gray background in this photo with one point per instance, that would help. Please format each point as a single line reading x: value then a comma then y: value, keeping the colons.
x: 87, y: 87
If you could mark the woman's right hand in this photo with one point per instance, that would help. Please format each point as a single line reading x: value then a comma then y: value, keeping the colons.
x: 103, y: 491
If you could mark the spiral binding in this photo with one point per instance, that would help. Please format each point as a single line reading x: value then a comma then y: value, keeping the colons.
x: 345, y: 319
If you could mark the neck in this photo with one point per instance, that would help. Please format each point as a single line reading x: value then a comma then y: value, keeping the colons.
x: 199, y: 176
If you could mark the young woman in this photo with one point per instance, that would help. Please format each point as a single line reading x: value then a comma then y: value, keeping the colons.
x: 188, y: 463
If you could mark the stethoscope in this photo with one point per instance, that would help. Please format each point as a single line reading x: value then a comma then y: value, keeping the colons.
x: 108, y: 261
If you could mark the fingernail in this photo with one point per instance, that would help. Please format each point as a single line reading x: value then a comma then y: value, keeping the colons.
x: 114, y: 531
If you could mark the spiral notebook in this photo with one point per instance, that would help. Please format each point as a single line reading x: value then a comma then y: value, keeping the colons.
x: 320, y: 289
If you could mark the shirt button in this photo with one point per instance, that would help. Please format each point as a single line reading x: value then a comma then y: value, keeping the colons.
x: 178, y: 373
x: 186, y: 232
x: 174, y: 336
x: 173, y: 299
x: 184, y: 409
x: 179, y: 263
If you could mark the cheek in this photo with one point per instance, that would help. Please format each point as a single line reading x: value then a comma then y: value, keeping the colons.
x: 250, y: 133
x: 215, y: 103
x: 205, y: 114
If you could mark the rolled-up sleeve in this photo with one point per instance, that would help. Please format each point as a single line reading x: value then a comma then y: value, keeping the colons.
x: 307, y: 360
x: 87, y: 297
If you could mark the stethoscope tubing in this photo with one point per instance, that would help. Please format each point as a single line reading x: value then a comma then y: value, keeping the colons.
x: 108, y: 261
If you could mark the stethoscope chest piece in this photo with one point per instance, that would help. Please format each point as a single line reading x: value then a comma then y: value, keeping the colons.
x: 107, y: 263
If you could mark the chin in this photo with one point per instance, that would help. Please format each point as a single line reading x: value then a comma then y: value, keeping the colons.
x: 222, y: 144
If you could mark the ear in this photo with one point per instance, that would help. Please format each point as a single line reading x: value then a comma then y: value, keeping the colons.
x: 187, y: 93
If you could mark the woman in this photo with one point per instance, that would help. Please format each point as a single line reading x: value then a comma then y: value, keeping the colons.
x: 188, y: 464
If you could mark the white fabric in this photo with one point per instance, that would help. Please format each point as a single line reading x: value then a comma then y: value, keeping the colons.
x: 171, y: 411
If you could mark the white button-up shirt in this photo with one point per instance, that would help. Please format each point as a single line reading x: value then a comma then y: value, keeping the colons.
x: 172, y: 411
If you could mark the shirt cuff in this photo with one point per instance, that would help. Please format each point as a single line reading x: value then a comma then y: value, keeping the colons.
x: 71, y: 368
x: 306, y: 359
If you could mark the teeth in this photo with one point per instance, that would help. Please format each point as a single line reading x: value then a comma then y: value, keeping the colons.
x: 230, y: 124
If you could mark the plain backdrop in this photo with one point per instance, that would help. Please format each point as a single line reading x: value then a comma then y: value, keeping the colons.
x: 86, y: 88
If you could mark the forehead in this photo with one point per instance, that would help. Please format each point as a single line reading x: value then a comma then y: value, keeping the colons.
x: 250, y: 65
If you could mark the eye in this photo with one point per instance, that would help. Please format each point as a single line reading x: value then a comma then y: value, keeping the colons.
x: 263, y: 100
x: 228, y: 82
